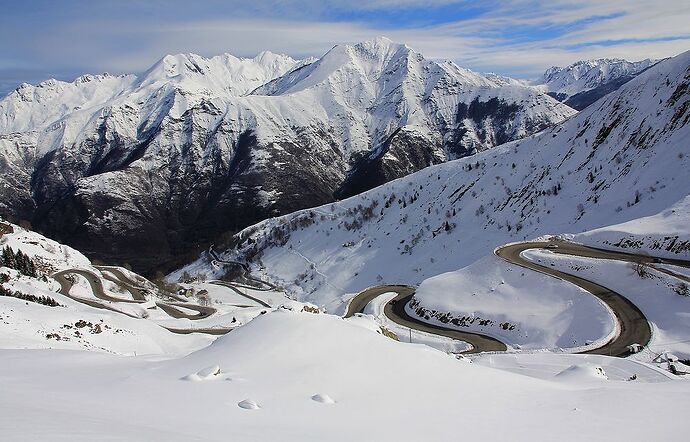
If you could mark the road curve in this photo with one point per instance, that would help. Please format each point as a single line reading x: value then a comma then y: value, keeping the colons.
x: 395, y: 311
x: 95, y: 283
x: 171, y: 308
x: 246, y: 273
x: 131, y: 285
x: 233, y: 287
x: 634, y: 326
x: 116, y: 276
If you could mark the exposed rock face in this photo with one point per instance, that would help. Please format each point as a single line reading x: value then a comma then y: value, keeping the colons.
x: 623, y: 160
x: 148, y: 169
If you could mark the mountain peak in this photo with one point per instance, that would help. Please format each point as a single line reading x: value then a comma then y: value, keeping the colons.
x: 380, y: 46
x: 265, y: 57
x: 601, y: 75
x: 222, y: 74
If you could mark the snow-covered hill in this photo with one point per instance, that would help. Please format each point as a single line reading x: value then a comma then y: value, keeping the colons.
x: 155, y: 165
x: 584, y: 82
x: 293, y: 377
x: 624, y: 158
x: 37, y: 312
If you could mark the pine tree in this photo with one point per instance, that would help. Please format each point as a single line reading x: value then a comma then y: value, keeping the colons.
x: 18, y: 261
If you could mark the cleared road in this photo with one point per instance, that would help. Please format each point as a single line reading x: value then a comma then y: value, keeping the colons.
x: 395, y: 311
x: 171, y: 308
x: 234, y: 288
x: 246, y: 273
x: 634, y: 326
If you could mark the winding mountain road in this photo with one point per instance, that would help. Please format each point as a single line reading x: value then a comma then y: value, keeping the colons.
x: 234, y: 288
x: 395, y: 310
x: 633, y: 325
x: 173, y: 309
x: 267, y: 286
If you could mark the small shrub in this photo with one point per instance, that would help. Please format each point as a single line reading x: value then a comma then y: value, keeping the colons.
x: 44, y: 300
x: 388, y: 333
x: 682, y: 289
x: 642, y: 270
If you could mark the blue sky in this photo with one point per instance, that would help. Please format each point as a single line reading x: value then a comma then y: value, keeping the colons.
x: 42, y: 39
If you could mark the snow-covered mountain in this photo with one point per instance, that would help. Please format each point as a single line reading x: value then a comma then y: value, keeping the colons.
x: 143, y: 168
x: 584, y: 82
x: 31, y: 108
x: 622, y: 159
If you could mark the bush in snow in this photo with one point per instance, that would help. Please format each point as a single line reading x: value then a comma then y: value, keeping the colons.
x: 44, y: 300
x: 642, y: 270
x: 682, y: 289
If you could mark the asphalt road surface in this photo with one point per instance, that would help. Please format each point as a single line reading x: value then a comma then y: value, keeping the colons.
x: 234, y: 288
x: 171, y: 308
x: 634, y: 326
x: 395, y: 311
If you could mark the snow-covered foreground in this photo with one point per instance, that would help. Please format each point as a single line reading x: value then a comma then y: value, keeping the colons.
x: 380, y: 390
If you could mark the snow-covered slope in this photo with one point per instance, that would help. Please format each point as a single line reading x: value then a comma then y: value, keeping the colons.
x: 582, y: 83
x: 32, y: 108
x: 195, y: 147
x: 663, y: 234
x: 622, y: 159
x: 293, y: 377
x: 588, y: 74
x: 29, y: 107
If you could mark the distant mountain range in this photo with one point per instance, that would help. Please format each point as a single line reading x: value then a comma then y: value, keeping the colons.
x: 584, y: 82
x: 148, y: 169
x: 624, y: 158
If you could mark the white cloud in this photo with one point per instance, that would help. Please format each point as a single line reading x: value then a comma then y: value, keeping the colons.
x: 487, y: 42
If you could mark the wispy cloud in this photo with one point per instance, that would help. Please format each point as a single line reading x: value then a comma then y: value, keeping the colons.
x: 515, y: 37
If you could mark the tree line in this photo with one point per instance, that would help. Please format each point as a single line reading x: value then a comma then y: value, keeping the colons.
x: 18, y: 261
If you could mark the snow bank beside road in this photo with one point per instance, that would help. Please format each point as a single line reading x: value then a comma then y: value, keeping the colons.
x: 520, y: 307
x: 665, y: 234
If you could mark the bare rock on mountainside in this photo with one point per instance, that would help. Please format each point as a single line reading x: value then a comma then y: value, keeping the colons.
x: 147, y: 169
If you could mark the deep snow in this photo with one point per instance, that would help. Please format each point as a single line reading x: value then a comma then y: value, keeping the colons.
x: 383, y: 390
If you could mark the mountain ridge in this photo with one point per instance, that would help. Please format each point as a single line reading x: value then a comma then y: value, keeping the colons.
x: 620, y: 159
x: 584, y: 82
x: 158, y: 165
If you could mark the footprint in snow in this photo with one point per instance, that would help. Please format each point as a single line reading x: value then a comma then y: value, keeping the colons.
x: 206, y: 374
x: 248, y: 404
x: 236, y: 379
x: 323, y: 399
